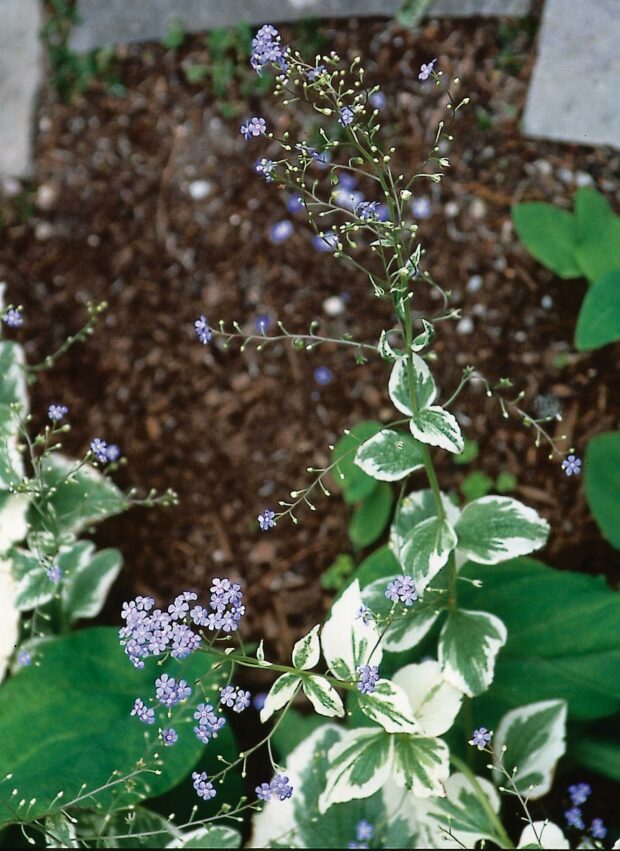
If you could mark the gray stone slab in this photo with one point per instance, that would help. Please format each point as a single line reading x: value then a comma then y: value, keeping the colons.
x: 106, y: 22
x: 20, y: 77
x: 573, y: 96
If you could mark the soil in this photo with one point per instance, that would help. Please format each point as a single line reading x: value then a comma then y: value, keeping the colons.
x: 109, y: 215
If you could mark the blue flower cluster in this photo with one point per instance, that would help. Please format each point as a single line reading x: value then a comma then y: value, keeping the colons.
x: 103, y: 451
x: 402, y: 590
x: 202, y: 785
x: 266, y: 49
x: 203, y: 331
x: 364, y: 832
x: 13, y: 317
x: 278, y: 788
x: 56, y: 413
x: 209, y: 723
x: 368, y: 676
x: 579, y: 794
x: 235, y: 698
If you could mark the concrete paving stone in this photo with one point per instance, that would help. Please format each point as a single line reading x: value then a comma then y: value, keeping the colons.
x: 21, y: 65
x: 105, y: 22
x: 573, y: 96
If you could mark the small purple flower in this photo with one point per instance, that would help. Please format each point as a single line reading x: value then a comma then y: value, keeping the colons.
x: 579, y: 793
x: 280, y: 231
x: 480, y: 738
x: 266, y: 49
x: 347, y: 116
x: 402, y: 590
x: 295, y: 204
x: 113, y: 452
x: 368, y: 210
x: 323, y: 375
x: 141, y: 711
x: 574, y: 818
x: 24, y: 659
x: 209, y: 723
x: 253, y: 127
x: 169, y: 692
x: 13, y: 317
x: 265, y: 168
x: 242, y: 701
x: 266, y: 520
x: 598, y: 829
x: 258, y: 700
x: 364, y: 831
x: 377, y: 100
x: 183, y: 641
x: 325, y: 242
x: 54, y: 573
x: 263, y: 323
x: 169, y: 736
x: 368, y: 676
x: 228, y: 695
x: 56, y: 413
x: 347, y: 181
x: 364, y: 614
x: 203, y: 331
x: 421, y: 207
x: 314, y: 73
x: 572, y: 465
x: 99, y: 449
x: 203, y: 786
x: 426, y: 70
x: 263, y: 792
x: 348, y: 199
x: 280, y: 788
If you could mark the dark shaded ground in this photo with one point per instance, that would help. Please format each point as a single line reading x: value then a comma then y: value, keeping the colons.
x: 113, y: 219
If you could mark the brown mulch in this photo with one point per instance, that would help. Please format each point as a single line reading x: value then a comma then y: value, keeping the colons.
x: 109, y: 216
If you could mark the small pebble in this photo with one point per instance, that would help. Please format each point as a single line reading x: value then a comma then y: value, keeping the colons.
x: 200, y: 189
x: 474, y: 284
x: 566, y: 175
x: 451, y: 209
x: 478, y: 208
x: 334, y: 306
x: 582, y: 178
x: 465, y: 325
x: 546, y: 302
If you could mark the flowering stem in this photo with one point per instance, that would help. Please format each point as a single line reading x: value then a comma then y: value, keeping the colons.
x: 502, y: 838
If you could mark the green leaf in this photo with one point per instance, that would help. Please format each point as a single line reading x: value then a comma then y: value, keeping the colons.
x: 599, y: 318
x: 426, y: 550
x: 468, y: 646
x: 421, y: 765
x: 323, y: 696
x: 497, y: 528
x: 598, y: 753
x: 434, y: 702
x: 359, y: 765
x: 371, y: 516
x: 307, y: 650
x: 388, y: 706
x: 77, y: 701
x: 12, y: 376
x: 386, y: 349
x: 463, y: 813
x: 602, y: 481
x: 550, y: 235
x: 416, y: 507
x: 597, y: 250
x: 469, y: 453
x: 531, y: 740
x: 281, y: 692
x: 380, y: 563
x: 543, y: 658
x: 390, y: 455
x: 293, y: 729
x: 336, y: 575
x: 423, y: 385
x: 11, y: 464
x: 346, y: 640
x: 437, y: 427
x: 475, y: 485
x: 60, y: 832
x: 213, y: 836
x: 85, y: 589
x: 355, y: 484
x: 411, y: 13
x: 80, y: 496
x: 407, y: 630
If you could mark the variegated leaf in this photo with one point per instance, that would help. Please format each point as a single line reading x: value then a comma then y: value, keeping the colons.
x: 468, y: 646
x: 386, y: 350
x: 421, y: 765
x: 410, y: 627
x: 427, y: 549
x: 13, y: 523
x: 416, y: 507
x: 9, y: 616
x: 464, y: 814
x: 390, y: 455
x: 280, y: 693
x: 531, y: 739
x: 496, y: 528
x: 346, y: 640
x: 323, y: 696
x: 359, y: 766
x: 545, y: 834
x: 388, y: 706
x: 421, y: 340
x: 434, y: 702
x: 437, y: 427
x: 423, y: 385
x: 307, y: 650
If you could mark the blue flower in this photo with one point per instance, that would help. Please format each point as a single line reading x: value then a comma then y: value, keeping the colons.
x: 579, y: 793
x: 280, y: 231
x: 402, y: 590
x: 202, y: 785
x: 314, y: 73
x: 263, y: 792
x: 377, y: 100
x: 113, y: 452
x: 280, y: 787
x: 347, y: 116
x: 266, y: 520
x: 236, y: 698
x: 255, y: 126
x: 326, y: 241
x: 572, y: 465
x: 54, y: 573
x: 262, y: 323
x: 481, y: 738
x: 183, y: 641
x: 13, y: 317
x: 421, y: 207
x: 24, y: 659
x: 426, y: 70
x: 574, y: 818
x: 598, y: 829
x: 203, y: 331
x: 99, y: 449
x: 56, y: 413
x: 169, y: 736
x: 323, y: 375
x: 169, y: 692
x: 265, y: 168
x: 243, y: 700
x: 209, y: 723
x: 368, y: 675
x: 368, y: 210
x: 364, y: 831
x: 266, y: 49
x: 258, y: 700
x: 141, y: 711
x: 364, y: 614
x: 295, y: 204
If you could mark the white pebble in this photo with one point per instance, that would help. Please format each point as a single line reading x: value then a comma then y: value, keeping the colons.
x: 474, y: 284
x: 546, y: 302
x: 333, y: 306
x: 465, y: 325
x: 200, y: 189
x: 451, y: 209
x: 582, y: 178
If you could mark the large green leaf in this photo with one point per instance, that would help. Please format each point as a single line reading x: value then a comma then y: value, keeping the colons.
x: 65, y: 722
x: 562, y: 642
x: 355, y: 483
x: 550, y: 235
x: 371, y: 516
x: 359, y: 765
x: 497, y: 528
x: 75, y: 496
x: 598, y: 753
x: 597, y: 250
x: 602, y: 480
x: 421, y: 764
x: 468, y: 647
x: 427, y: 549
x: 599, y: 318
